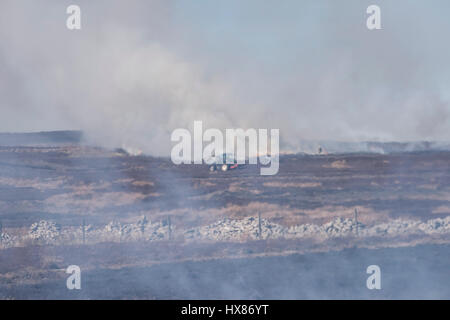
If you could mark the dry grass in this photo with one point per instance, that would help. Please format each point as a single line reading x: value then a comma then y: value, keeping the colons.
x: 143, y: 183
x: 280, y: 184
x: 40, y: 184
x: 338, y: 164
x: 281, y: 214
x: 442, y: 210
x: 241, y: 187
x: 90, y: 202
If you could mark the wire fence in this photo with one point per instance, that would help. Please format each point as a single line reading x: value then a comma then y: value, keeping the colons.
x: 249, y: 228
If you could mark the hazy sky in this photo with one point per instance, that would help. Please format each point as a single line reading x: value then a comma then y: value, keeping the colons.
x: 139, y: 69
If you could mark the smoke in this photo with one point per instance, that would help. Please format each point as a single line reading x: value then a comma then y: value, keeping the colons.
x: 137, y: 71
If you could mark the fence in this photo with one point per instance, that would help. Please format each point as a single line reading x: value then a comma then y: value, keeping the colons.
x: 226, y: 229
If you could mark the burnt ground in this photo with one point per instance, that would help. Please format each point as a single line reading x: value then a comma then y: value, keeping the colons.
x: 420, y: 272
x: 69, y: 183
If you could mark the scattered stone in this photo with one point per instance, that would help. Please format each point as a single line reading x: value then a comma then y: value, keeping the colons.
x: 340, y: 227
x: 113, y: 227
x: 5, y: 240
x: 45, y: 231
x: 142, y: 223
x: 235, y: 230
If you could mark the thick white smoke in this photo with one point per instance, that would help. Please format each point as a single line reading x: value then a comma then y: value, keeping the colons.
x: 140, y: 69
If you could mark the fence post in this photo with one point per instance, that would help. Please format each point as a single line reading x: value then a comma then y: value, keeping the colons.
x: 84, y: 231
x: 170, y: 227
x: 356, y: 221
x: 1, y: 232
x: 144, y: 223
x: 259, y: 226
